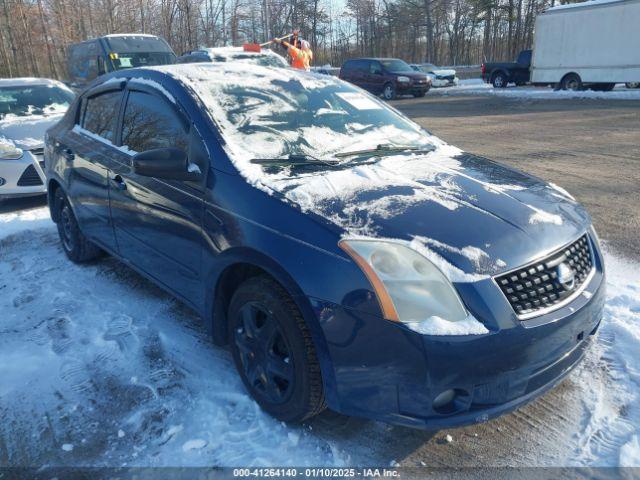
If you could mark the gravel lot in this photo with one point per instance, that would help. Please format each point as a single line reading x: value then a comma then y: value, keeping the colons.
x: 589, y: 147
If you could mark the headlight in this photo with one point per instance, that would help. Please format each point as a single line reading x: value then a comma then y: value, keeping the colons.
x: 411, y: 289
x: 403, y: 79
x: 9, y: 152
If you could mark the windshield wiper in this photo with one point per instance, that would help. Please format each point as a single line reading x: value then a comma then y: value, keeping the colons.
x: 384, y: 149
x: 294, y: 160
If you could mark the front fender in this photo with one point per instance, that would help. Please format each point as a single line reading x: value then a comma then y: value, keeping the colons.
x: 216, y: 302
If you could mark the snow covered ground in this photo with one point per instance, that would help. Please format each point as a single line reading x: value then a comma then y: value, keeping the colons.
x: 100, y: 368
x: 476, y: 86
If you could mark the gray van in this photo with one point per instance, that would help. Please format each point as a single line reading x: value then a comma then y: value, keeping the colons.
x: 87, y: 60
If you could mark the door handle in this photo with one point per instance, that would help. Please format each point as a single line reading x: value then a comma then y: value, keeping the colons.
x: 68, y: 155
x: 118, y: 182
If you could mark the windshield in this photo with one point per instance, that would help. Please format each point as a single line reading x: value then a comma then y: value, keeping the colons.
x: 122, y: 60
x: 265, y: 114
x: 395, y: 65
x: 34, y: 100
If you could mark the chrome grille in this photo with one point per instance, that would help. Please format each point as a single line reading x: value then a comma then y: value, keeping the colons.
x: 547, y: 282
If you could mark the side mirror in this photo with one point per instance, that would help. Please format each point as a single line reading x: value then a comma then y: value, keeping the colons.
x: 167, y: 163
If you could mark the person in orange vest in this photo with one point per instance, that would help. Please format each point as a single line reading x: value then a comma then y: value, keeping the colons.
x: 300, y: 54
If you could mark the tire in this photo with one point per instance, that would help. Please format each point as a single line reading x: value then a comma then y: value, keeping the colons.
x: 389, y: 91
x: 571, y: 81
x: 632, y: 84
x: 499, y: 80
x: 75, y: 245
x: 603, y: 87
x: 273, y: 351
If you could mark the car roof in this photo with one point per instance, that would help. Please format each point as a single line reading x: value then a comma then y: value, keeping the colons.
x: 374, y: 58
x: 232, y: 51
x: 241, y: 72
x: 25, y: 81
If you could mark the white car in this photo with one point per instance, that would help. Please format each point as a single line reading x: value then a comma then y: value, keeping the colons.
x: 265, y: 58
x: 440, y: 77
x: 28, y: 107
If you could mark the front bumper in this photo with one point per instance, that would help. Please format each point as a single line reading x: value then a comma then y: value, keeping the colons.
x: 444, y: 82
x: 23, y: 177
x: 413, y: 88
x: 384, y: 371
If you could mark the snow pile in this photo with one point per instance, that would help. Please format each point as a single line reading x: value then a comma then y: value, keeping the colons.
x: 439, y: 326
x: 476, y: 86
x: 11, y: 223
x: 100, y: 368
x: 611, y: 375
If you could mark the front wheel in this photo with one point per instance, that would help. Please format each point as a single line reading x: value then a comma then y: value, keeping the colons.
x: 571, y: 81
x: 74, y: 243
x: 632, y: 84
x: 389, y: 91
x: 273, y: 351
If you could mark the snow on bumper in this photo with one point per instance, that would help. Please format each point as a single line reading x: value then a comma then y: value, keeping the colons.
x: 401, y: 373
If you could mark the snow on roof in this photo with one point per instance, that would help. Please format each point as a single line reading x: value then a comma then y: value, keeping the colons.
x: 115, y: 35
x: 232, y: 51
x: 24, y: 81
x: 589, y: 3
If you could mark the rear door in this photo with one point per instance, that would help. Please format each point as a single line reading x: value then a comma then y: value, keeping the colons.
x: 89, y: 154
x: 158, y: 222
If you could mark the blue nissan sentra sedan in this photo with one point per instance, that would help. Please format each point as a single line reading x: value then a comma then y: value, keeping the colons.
x: 349, y: 258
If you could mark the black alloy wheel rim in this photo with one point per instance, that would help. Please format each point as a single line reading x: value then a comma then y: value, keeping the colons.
x: 67, y: 225
x: 265, y: 355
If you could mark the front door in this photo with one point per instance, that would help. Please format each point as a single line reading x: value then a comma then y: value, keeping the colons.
x: 89, y: 152
x: 376, y: 78
x: 158, y: 222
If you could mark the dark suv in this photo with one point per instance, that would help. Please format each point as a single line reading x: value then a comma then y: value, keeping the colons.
x: 388, y: 77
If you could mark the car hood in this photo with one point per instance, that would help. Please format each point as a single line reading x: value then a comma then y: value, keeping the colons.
x: 413, y: 75
x: 444, y: 72
x: 27, y: 132
x: 471, y: 216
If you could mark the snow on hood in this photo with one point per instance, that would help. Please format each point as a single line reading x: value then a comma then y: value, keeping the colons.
x: 27, y: 132
x: 465, y: 210
x: 444, y: 72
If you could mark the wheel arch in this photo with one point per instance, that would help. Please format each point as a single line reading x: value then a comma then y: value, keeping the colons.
x: 562, y: 79
x: 243, y: 263
x: 53, y: 186
x: 497, y: 71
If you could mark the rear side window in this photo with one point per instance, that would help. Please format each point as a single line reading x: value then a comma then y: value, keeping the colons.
x: 150, y: 122
x: 101, y: 114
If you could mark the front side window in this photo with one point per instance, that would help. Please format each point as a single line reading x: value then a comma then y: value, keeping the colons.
x: 395, y: 65
x: 150, y: 122
x: 101, y: 114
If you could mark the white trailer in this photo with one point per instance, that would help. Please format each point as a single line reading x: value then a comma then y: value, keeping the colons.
x: 593, y: 42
